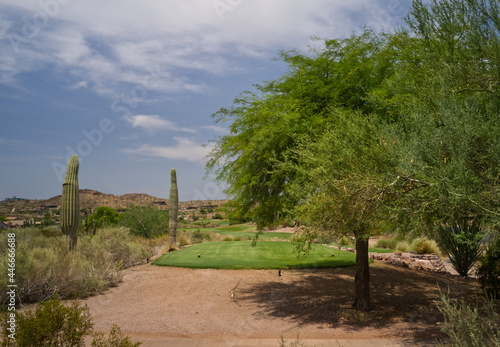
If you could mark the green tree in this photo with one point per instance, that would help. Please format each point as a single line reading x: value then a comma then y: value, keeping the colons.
x: 145, y: 221
x: 342, y: 185
x: 103, y: 214
x: 445, y: 91
x: 265, y: 124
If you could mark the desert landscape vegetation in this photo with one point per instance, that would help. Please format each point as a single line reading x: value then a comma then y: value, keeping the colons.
x: 364, y: 210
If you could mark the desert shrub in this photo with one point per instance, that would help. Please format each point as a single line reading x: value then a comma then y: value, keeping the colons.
x: 182, y: 239
x: 469, y: 326
x: 403, y: 246
x: 389, y: 243
x: 344, y: 241
x: 199, y: 236
x: 115, y: 339
x: 217, y: 216
x: 422, y: 245
x: 145, y: 221
x: 103, y: 214
x: 51, y: 323
x: 45, y: 266
x: 115, y: 245
x: 462, y: 242
x: 489, y: 270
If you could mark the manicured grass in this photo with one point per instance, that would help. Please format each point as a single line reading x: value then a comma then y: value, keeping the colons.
x: 245, y: 232
x: 266, y: 255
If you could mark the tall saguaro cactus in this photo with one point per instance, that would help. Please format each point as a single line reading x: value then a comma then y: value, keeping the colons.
x: 70, y: 207
x: 173, y: 208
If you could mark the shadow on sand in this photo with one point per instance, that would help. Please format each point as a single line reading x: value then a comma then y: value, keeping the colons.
x: 324, y: 297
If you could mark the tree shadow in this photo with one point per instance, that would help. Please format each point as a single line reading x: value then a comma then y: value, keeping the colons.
x: 324, y: 297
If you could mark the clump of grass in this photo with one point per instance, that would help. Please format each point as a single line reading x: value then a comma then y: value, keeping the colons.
x: 389, y: 243
x: 228, y: 238
x: 403, y: 246
x: 422, y: 245
x: 182, y: 239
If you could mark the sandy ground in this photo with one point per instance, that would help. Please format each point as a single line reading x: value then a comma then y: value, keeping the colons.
x: 166, y: 306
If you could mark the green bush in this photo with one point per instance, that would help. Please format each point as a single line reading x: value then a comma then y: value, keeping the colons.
x: 489, y: 270
x: 145, y: 221
x: 50, y: 324
x: 103, y: 214
x: 422, y: 245
x: 469, y: 326
x: 53, y: 323
x: 389, y: 243
x: 217, y: 216
x: 462, y: 242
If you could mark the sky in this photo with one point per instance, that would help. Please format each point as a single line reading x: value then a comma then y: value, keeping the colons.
x: 130, y: 86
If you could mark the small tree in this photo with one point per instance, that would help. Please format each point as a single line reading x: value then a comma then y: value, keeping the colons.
x: 145, y: 221
x: 103, y: 215
x: 462, y: 242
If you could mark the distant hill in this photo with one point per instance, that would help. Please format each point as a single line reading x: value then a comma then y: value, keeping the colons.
x: 91, y: 199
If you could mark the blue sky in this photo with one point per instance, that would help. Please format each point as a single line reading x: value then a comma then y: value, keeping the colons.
x: 130, y: 85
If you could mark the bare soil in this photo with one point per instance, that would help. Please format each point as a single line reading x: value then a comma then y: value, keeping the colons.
x: 165, y: 302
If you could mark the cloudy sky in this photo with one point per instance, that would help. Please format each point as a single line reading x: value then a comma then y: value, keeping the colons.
x: 130, y: 85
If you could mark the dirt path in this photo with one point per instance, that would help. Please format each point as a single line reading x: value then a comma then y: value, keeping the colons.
x: 159, y: 304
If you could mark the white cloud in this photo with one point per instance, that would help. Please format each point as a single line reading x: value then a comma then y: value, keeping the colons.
x: 154, y: 122
x: 112, y: 45
x: 184, y: 149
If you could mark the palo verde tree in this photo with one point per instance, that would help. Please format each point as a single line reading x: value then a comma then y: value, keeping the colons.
x: 446, y: 91
x: 265, y: 124
x: 342, y: 185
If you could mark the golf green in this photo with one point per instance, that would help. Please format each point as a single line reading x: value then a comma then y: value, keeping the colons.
x: 265, y: 255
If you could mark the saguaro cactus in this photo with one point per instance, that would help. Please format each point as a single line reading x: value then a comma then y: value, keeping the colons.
x: 70, y: 207
x: 173, y: 208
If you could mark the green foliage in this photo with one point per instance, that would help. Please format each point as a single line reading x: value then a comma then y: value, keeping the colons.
x: 70, y: 203
x: 340, y: 176
x: 489, y: 270
x: 54, y: 323
x: 217, y: 216
x: 468, y: 326
x: 265, y: 125
x: 103, y: 214
x: 51, y: 324
x: 462, y: 241
x: 145, y: 221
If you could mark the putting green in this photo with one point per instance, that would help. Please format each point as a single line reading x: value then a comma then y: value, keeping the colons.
x: 265, y: 255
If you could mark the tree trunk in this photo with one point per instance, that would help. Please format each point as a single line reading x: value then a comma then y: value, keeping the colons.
x: 362, y: 277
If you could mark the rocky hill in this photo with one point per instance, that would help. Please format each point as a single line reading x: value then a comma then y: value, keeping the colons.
x: 91, y: 199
